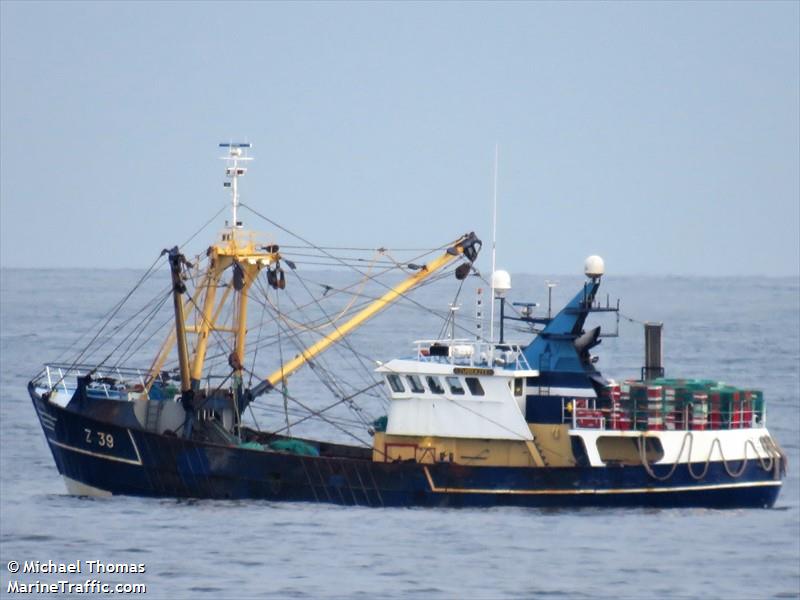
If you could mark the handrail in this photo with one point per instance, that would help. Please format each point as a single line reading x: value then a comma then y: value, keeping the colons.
x: 510, y: 356
x: 120, y: 371
x: 573, y: 413
x: 61, y: 372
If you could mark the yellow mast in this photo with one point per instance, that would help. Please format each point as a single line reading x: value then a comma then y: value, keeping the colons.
x: 237, y: 249
x: 203, y: 329
x: 208, y: 316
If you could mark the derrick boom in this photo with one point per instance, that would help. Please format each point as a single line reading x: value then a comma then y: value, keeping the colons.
x: 468, y: 246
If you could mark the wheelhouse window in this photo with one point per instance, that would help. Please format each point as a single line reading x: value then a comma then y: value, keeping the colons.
x: 518, y: 386
x: 395, y: 383
x: 435, y: 385
x: 456, y: 388
x: 475, y: 387
x: 415, y: 384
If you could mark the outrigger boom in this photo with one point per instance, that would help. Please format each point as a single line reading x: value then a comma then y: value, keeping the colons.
x: 467, y: 246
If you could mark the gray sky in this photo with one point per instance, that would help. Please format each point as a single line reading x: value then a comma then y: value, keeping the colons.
x: 664, y: 137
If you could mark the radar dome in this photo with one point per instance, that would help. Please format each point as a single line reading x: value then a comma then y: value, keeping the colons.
x: 594, y: 266
x: 501, y: 283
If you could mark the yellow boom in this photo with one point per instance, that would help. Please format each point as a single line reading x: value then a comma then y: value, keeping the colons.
x: 467, y: 246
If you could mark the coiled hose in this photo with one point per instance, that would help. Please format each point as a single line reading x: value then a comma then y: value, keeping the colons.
x: 776, y: 459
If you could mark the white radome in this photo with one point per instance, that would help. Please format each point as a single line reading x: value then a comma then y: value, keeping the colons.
x: 501, y: 283
x: 594, y: 266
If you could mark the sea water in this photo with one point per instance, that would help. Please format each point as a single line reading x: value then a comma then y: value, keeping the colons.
x: 744, y: 331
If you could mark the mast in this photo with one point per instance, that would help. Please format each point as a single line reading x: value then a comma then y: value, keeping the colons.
x: 234, y: 171
x: 236, y: 249
x: 494, y: 245
x: 176, y: 262
x: 210, y: 283
x: 239, y: 252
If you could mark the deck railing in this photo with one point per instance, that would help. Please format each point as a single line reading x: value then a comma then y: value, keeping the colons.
x: 464, y: 352
x: 584, y: 413
x: 63, y: 376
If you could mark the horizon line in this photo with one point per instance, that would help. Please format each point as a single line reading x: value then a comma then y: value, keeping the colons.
x: 521, y: 273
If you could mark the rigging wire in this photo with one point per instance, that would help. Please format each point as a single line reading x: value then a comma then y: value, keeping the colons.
x: 310, y: 410
x: 301, y: 415
x: 387, y: 261
x: 158, y: 329
x: 330, y: 422
x: 206, y: 224
x: 274, y: 224
x: 366, y: 277
x: 314, y: 300
x: 119, y: 327
x: 381, y: 249
x: 284, y: 388
x: 146, y: 320
x: 631, y: 319
x: 317, y: 323
x: 301, y: 348
x: 255, y: 351
x: 344, y: 339
x: 253, y: 416
x: 107, y: 320
x: 109, y: 316
x: 342, y: 420
x: 452, y: 316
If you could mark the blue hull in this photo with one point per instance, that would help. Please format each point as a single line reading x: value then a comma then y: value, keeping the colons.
x: 129, y: 461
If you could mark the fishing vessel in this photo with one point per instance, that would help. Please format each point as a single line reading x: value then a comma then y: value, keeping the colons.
x: 470, y: 420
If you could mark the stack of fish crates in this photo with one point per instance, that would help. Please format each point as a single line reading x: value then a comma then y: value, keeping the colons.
x: 618, y: 415
x: 681, y: 404
x: 587, y: 414
x: 709, y: 404
x: 699, y: 410
x: 655, y: 407
x: 671, y: 417
x: 642, y: 404
x: 731, y: 409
